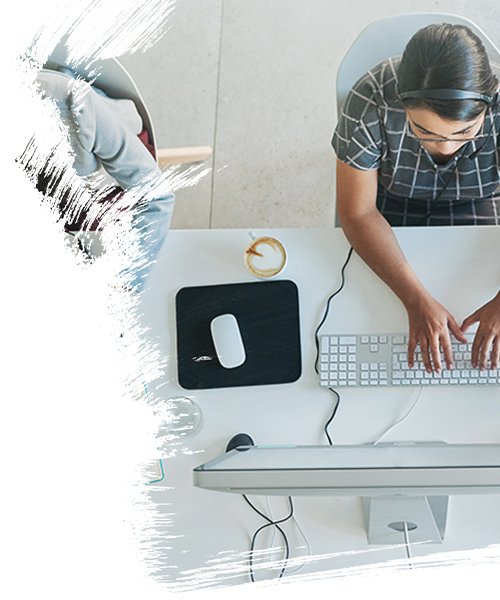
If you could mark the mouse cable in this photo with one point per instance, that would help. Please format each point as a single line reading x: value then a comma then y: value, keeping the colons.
x: 301, y: 531
x: 325, y: 314
x: 327, y: 309
x: 332, y: 416
x: 270, y: 523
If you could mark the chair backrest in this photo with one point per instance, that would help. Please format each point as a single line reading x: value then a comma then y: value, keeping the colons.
x: 388, y: 37
x: 112, y: 78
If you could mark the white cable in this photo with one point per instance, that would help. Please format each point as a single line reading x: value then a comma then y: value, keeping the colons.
x: 401, y: 419
x: 407, y: 544
x: 294, y: 518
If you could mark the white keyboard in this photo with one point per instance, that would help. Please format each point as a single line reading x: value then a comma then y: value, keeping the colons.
x: 381, y: 360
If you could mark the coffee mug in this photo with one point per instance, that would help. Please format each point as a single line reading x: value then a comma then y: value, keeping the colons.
x: 265, y: 257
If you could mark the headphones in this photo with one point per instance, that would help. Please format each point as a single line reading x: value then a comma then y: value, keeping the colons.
x: 449, y: 94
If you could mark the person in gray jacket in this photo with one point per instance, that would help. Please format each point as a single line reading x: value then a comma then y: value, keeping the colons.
x: 108, y: 154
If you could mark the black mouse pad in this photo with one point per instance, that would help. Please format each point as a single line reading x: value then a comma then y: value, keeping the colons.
x: 268, y: 317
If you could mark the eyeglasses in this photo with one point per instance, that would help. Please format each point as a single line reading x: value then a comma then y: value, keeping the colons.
x: 478, y: 137
x: 423, y: 138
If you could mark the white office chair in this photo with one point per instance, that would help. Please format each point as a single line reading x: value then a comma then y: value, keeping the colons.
x: 388, y: 37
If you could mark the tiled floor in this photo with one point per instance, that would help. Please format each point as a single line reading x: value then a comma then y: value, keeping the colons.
x: 255, y: 79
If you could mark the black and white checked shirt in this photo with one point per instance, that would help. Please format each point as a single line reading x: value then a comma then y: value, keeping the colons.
x: 372, y: 133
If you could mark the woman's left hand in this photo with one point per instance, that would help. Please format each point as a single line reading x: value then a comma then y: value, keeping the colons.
x: 487, y: 334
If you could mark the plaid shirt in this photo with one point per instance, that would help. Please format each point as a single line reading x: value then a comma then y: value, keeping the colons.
x: 372, y: 133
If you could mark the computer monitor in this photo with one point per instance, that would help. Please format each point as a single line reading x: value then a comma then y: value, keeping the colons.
x: 402, y: 482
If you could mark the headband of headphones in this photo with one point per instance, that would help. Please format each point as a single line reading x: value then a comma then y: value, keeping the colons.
x: 447, y: 94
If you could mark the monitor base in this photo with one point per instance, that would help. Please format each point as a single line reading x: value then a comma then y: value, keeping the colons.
x: 425, y: 518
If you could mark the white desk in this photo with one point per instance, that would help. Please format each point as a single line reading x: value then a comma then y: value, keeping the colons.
x: 459, y: 266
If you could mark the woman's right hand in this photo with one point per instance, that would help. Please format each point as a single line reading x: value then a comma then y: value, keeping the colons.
x: 430, y: 325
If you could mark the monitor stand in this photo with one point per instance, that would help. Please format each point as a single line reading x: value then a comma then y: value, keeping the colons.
x: 385, y: 516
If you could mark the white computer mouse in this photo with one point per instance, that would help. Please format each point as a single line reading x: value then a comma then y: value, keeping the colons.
x: 227, y: 340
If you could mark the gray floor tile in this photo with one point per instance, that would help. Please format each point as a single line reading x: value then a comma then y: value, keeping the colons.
x: 178, y: 80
